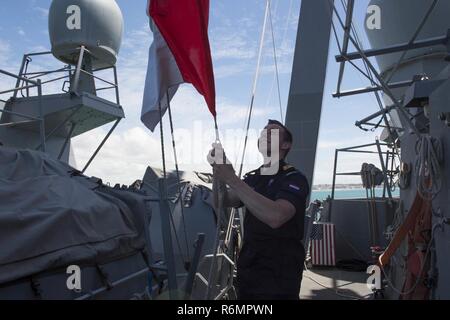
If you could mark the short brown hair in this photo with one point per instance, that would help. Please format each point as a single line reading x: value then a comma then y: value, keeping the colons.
x: 287, y: 136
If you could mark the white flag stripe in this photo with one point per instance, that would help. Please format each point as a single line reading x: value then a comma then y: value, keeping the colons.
x: 332, y: 245
x: 322, y: 251
x: 329, y: 243
x: 163, y: 77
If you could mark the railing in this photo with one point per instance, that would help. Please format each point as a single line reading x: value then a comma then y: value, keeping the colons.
x: 27, y: 80
x: 388, y: 174
x: 29, y: 84
x: 72, y: 77
x: 387, y: 167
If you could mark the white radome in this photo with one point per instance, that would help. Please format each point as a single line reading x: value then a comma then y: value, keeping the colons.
x: 95, y: 24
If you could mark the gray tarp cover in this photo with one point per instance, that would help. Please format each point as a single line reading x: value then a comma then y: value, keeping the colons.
x: 51, y: 219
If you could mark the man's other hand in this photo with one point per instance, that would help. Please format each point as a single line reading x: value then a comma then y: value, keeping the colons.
x: 223, y: 169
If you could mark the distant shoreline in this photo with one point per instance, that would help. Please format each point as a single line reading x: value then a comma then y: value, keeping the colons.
x: 341, y: 188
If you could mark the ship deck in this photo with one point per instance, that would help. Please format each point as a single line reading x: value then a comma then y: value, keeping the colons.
x: 334, y: 284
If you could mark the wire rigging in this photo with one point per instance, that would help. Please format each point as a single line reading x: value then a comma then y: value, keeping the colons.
x: 283, y: 42
x: 255, y: 84
x: 276, y: 63
x: 165, y: 196
x: 177, y: 170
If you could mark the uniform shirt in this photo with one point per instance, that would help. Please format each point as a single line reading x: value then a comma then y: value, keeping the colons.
x: 271, y: 260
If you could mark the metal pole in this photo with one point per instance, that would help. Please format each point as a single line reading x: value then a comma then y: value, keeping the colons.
x: 384, y: 169
x: 336, y: 153
x: 333, y: 187
x: 442, y: 40
x: 76, y: 79
x: 194, y: 265
x: 348, y: 28
x: 66, y: 141
x: 60, y: 125
x: 392, y: 85
x: 219, y: 189
x: 101, y: 145
x: 169, y: 258
x: 383, y: 84
x: 387, y: 166
x: 41, y: 115
x: 22, y: 67
x: 116, y: 81
x: 12, y: 75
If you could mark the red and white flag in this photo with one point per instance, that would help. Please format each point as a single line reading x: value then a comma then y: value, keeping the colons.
x: 180, y: 53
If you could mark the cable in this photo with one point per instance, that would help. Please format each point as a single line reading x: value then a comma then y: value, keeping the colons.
x: 178, y: 176
x: 283, y: 41
x: 276, y: 64
x: 335, y: 291
x: 427, y: 168
x: 422, y: 268
x: 255, y: 84
x: 163, y: 155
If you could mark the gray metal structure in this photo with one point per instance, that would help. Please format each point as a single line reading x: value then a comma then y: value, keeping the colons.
x: 86, y: 35
x: 308, y: 81
x: 415, y: 81
x: 412, y: 51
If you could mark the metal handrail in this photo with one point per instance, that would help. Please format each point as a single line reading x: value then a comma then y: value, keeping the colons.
x: 18, y: 77
x: 23, y: 82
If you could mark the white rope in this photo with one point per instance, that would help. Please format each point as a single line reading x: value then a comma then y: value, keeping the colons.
x: 255, y: 84
x: 427, y: 169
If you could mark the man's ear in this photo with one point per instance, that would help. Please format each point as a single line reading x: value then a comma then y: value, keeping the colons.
x: 286, y: 145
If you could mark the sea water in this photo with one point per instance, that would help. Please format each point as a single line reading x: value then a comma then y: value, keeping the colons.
x: 348, y: 193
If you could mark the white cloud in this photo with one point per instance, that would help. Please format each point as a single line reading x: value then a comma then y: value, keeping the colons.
x: 347, y: 162
x: 123, y: 159
x: 5, y: 51
x: 43, y: 12
x: 21, y: 32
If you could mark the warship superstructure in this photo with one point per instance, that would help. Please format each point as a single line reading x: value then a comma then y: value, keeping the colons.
x: 125, y: 239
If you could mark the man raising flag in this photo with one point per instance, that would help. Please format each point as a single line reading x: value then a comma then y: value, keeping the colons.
x: 180, y: 53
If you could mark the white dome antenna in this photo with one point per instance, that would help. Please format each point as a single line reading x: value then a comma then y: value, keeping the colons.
x: 95, y: 24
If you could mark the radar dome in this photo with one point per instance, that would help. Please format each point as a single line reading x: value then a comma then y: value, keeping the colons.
x: 95, y: 24
x: 399, y: 22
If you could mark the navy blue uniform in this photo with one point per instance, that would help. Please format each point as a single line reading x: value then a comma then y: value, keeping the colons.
x: 270, y: 264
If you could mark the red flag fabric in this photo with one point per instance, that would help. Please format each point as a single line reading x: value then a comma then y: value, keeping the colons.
x: 184, y: 26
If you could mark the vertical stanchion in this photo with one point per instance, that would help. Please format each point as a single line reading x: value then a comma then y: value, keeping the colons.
x: 169, y: 258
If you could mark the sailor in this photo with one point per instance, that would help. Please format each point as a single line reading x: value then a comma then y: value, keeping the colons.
x: 270, y: 263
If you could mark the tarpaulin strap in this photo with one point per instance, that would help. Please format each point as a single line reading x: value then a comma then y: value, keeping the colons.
x: 36, y: 287
x: 104, y: 276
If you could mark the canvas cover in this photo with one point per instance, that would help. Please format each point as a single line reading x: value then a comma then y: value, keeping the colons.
x: 51, y: 216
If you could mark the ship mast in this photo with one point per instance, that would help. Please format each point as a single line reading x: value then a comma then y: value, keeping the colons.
x: 308, y: 82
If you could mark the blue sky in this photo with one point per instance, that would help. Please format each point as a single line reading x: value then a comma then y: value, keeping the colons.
x: 235, y: 27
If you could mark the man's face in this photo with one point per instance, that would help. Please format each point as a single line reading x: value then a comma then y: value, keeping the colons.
x: 271, y: 140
